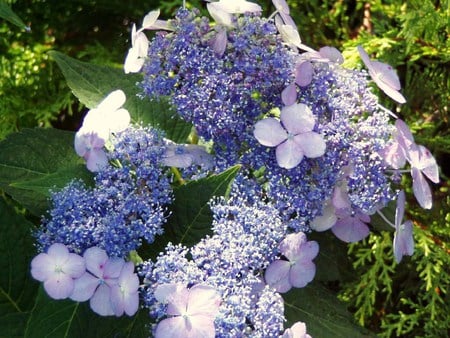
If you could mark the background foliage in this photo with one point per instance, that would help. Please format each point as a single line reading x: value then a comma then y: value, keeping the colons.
x: 411, y: 299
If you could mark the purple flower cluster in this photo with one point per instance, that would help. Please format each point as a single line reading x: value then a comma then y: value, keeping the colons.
x: 110, y: 284
x: 232, y: 260
x: 222, y: 94
x: 128, y: 203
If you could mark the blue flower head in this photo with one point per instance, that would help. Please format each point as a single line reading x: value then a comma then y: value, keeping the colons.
x: 128, y: 203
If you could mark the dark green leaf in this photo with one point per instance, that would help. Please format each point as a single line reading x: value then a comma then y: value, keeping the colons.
x: 92, y: 83
x: 321, y: 311
x: 36, y: 160
x: 66, y: 318
x: 17, y: 289
x: 332, y: 263
x: 7, y: 14
x: 191, y: 216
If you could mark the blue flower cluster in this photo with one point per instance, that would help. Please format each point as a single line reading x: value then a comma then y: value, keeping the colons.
x: 355, y: 129
x: 223, y: 95
x: 244, y: 242
x: 127, y: 204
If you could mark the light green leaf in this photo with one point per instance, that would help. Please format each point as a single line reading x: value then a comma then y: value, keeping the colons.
x: 321, y: 311
x: 34, y: 161
x: 17, y: 289
x: 92, y: 83
x: 7, y: 13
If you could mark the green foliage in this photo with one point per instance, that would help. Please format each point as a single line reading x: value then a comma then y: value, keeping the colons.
x: 35, y: 161
x: 316, y: 305
x: 91, y: 83
x: 7, y: 14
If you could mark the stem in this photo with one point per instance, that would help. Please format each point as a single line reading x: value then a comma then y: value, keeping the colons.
x: 385, y: 219
x: 177, y: 175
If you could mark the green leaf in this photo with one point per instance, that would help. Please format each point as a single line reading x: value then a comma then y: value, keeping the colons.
x: 7, y: 14
x: 191, y: 216
x: 17, y: 289
x: 92, y: 83
x: 66, y: 318
x: 321, y: 311
x: 332, y: 263
x: 36, y: 160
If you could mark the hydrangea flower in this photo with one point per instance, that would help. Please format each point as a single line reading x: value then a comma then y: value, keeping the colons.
x: 95, y: 284
x: 292, y: 136
x: 384, y: 76
x: 192, y: 311
x: 298, y: 269
x: 139, y: 43
x: 98, y: 124
x: 58, y: 268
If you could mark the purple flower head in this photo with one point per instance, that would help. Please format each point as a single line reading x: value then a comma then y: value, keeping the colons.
x: 423, y: 164
x: 192, y: 311
x: 403, y: 237
x: 95, y: 284
x: 57, y: 269
x: 292, y: 136
x: 298, y: 330
x: 384, y: 76
x: 298, y: 270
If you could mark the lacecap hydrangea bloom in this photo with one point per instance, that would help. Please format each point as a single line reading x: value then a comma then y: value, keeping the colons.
x: 317, y: 152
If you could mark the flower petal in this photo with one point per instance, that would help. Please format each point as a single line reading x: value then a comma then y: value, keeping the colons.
x: 421, y: 189
x: 84, y: 287
x: 400, y: 209
x: 277, y: 275
x: 289, y: 154
x: 386, y: 74
x: 59, y: 286
x: 42, y: 267
x: 203, y: 300
x: 201, y: 326
x: 96, y: 259
x: 403, y: 241
x: 428, y: 165
x: 312, y: 144
x: 174, y: 327
x: 269, y: 132
x: 302, y: 273
x: 297, y: 118
x: 100, y: 302
x: 289, y: 94
x: 96, y: 160
x: 332, y: 54
x: 326, y: 220
x: 350, y: 230
x: 304, y: 73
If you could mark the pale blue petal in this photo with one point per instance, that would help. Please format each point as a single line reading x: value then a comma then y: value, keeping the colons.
x: 269, y: 132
